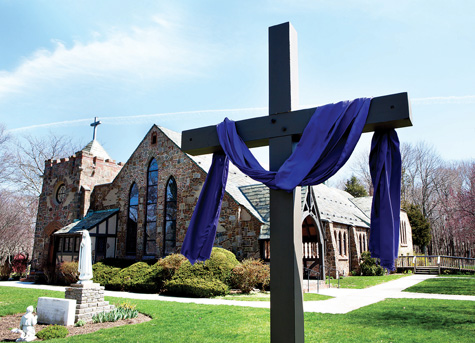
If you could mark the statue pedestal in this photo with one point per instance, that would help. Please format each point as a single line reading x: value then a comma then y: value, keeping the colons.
x: 89, y: 300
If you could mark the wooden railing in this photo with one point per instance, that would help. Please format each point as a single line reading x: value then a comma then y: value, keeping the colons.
x: 436, y: 261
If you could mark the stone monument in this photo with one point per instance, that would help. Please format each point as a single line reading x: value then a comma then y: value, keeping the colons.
x: 27, y: 326
x: 89, y: 296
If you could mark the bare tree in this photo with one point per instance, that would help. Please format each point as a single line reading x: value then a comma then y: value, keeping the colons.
x: 6, y: 156
x: 31, y: 154
x: 360, y: 168
x: 16, y: 225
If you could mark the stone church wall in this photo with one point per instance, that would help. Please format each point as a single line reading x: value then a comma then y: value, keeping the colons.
x: 78, y: 173
x: 238, y: 231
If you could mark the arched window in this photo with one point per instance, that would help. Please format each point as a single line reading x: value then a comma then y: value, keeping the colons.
x: 340, y: 245
x: 169, y: 235
x: 131, y: 239
x: 151, y: 210
x: 344, y: 243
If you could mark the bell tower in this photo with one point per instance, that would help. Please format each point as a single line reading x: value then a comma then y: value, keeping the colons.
x: 65, y: 196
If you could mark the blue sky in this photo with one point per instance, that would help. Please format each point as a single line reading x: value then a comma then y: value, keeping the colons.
x: 185, y: 64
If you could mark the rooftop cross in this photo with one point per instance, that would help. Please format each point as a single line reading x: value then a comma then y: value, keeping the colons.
x: 280, y: 131
x: 95, y: 124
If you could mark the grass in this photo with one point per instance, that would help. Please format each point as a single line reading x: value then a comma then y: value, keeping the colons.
x: 265, y: 296
x: 359, y: 282
x: 458, y: 275
x: 393, y: 320
x: 457, y: 286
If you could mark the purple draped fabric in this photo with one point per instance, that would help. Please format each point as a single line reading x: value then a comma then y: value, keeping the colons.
x: 200, y: 235
x: 326, y: 144
x: 385, y: 168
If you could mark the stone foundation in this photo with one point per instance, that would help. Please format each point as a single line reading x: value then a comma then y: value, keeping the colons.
x: 89, y: 300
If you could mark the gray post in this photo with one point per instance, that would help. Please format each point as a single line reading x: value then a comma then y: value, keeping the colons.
x: 286, y: 303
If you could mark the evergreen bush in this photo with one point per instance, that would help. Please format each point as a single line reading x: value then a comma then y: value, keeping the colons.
x: 221, y: 264
x: 195, y: 287
x: 103, y: 273
x: 52, y: 331
x: 249, y: 275
x: 170, y: 264
x: 139, y: 277
x: 370, y: 266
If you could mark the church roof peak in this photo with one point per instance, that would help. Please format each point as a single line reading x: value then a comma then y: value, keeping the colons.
x: 96, y: 149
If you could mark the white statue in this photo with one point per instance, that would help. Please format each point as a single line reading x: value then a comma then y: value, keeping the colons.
x: 85, y: 259
x: 27, y: 326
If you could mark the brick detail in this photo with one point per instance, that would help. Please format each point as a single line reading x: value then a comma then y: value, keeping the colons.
x: 89, y: 299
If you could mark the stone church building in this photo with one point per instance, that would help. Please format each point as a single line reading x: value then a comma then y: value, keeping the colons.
x: 141, y: 209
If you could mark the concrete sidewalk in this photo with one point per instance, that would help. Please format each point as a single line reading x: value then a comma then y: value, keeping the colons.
x: 344, y: 301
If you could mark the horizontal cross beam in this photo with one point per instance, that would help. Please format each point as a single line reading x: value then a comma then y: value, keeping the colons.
x: 389, y: 111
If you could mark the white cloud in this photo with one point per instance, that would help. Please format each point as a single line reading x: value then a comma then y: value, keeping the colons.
x: 159, y: 51
x: 150, y: 118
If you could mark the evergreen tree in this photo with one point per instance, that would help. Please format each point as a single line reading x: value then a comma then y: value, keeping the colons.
x: 421, y: 235
x: 355, y: 188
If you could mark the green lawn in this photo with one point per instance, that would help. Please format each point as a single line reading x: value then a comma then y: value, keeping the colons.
x: 393, y: 320
x: 265, y: 296
x: 365, y: 281
x: 458, y: 275
x: 458, y: 286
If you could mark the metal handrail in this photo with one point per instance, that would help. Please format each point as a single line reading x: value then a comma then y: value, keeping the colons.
x: 308, y: 278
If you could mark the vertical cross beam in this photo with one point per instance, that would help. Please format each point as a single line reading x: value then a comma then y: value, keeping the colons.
x: 287, y: 322
x: 95, y: 124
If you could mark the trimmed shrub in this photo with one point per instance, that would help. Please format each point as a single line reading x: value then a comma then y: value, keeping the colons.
x: 102, y: 273
x: 195, y: 288
x: 170, y: 264
x: 221, y: 264
x: 52, y: 331
x: 370, y: 266
x: 249, y: 275
x: 218, y: 267
x: 68, y: 273
x: 118, y: 262
x: 136, y: 278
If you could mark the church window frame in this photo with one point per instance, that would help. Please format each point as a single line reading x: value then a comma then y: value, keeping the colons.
x: 60, y: 193
x: 170, y: 215
x: 150, y: 230
x: 153, y: 138
x: 344, y: 244
x: 132, y: 214
x: 340, y: 246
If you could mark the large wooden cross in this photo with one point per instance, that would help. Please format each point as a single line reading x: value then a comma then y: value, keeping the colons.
x: 280, y: 130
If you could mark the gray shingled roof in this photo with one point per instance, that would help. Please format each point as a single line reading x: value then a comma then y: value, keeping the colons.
x: 335, y: 205
x: 364, y: 204
x: 94, y: 148
x: 91, y: 220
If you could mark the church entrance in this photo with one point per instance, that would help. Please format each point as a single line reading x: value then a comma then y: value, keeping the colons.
x: 313, y: 251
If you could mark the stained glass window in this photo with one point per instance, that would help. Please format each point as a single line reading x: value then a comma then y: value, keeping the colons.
x: 151, y: 215
x: 170, y: 218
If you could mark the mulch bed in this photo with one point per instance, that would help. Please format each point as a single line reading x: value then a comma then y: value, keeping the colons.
x: 9, y: 322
